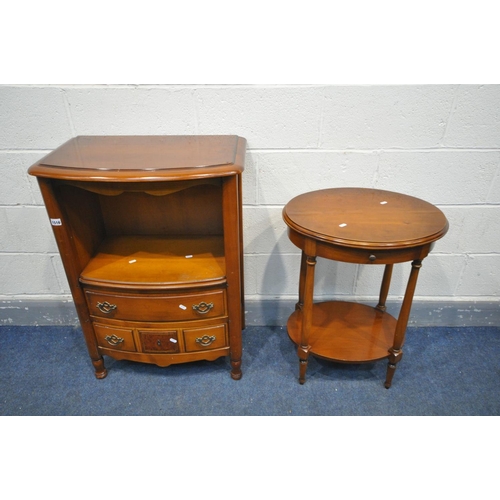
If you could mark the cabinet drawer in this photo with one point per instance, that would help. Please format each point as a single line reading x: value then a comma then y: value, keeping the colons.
x: 120, y: 339
x: 201, y: 339
x: 159, y: 341
x: 157, y: 308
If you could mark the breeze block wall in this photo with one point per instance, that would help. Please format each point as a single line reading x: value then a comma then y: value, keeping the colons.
x: 437, y: 142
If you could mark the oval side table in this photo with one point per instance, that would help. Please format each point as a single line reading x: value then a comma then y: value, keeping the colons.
x: 359, y: 226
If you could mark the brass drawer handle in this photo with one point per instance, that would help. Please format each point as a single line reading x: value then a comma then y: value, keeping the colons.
x: 203, y: 307
x: 106, y: 307
x: 113, y: 339
x: 205, y: 340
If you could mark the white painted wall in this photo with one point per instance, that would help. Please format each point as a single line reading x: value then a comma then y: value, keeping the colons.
x: 437, y: 142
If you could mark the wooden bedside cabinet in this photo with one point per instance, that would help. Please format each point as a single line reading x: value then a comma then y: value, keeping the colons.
x: 149, y: 229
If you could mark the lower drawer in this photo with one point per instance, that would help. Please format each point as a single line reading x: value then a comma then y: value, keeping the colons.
x: 161, y: 338
x: 120, y: 339
x: 159, y: 341
x: 202, y: 339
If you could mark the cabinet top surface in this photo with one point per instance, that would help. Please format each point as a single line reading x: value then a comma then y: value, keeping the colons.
x: 143, y: 158
x: 365, y: 218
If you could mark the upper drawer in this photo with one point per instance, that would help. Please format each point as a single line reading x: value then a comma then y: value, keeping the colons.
x: 180, y: 307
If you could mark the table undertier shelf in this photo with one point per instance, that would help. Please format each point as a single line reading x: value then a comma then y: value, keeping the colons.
x: 346, y: 332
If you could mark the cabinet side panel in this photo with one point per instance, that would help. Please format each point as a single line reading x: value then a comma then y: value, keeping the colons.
x: 82, y: 208
x: 234, y: 269
x: 60, y: 208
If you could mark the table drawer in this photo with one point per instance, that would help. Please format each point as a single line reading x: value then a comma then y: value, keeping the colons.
x: 120, y: 339
x: 202, y: 339
x: 155, y: 307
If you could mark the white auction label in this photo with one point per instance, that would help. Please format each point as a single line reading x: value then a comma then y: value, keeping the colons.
x: 56, y: 222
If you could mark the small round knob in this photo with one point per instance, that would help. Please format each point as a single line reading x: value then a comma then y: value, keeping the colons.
x: 372, y: 258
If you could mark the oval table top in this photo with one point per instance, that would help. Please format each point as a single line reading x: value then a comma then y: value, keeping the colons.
x: 365, y: 218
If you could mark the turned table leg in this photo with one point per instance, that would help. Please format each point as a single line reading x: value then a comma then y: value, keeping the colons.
x: 396, y: 351
x: 384, y: 289
x: 302, y: 281
x: 307, y: 310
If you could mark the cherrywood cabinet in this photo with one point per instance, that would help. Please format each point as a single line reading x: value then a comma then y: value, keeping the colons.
x: 149, y: 229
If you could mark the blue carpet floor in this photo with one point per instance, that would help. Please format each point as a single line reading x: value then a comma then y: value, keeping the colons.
x: 445, y: 371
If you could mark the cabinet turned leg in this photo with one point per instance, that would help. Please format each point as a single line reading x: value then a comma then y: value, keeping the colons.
x: 100, y: 370
x: 236, y: 373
